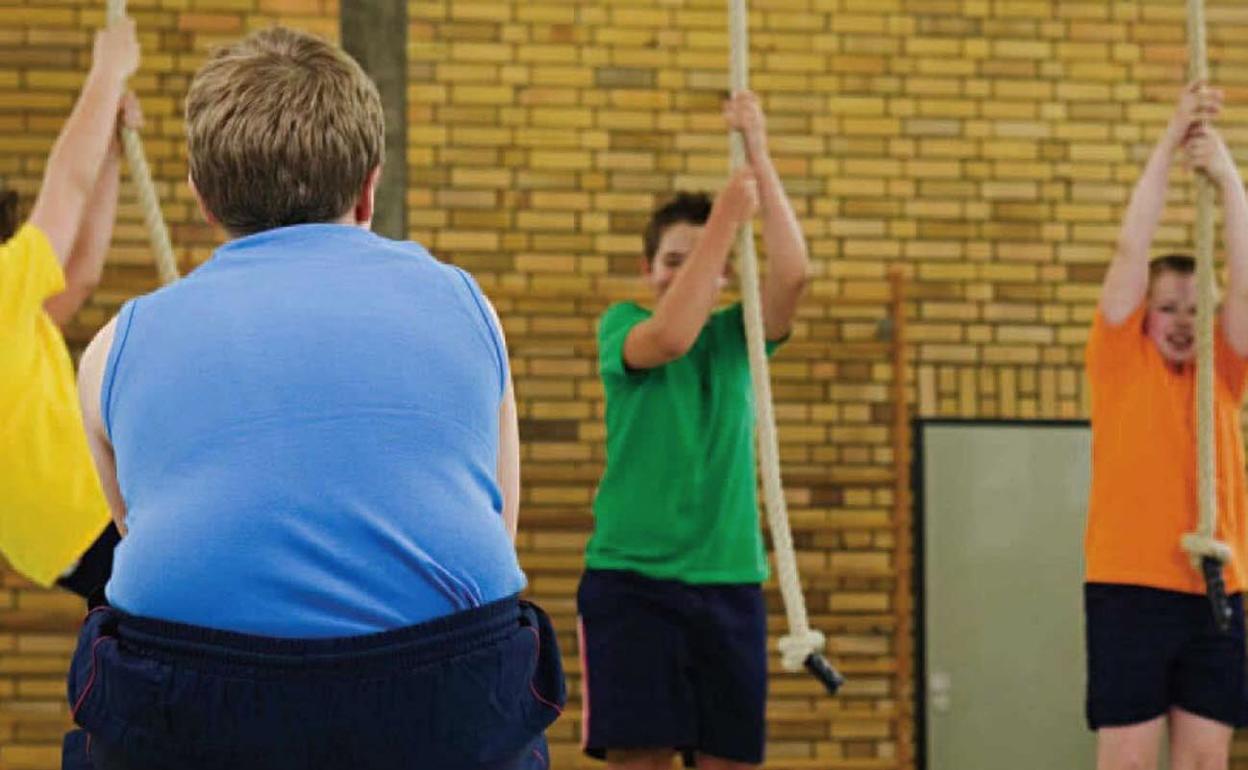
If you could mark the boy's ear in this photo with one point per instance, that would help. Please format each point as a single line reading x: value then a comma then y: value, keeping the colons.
x: 199, y: 199
x: 365, y: 206
x: 645, y: 265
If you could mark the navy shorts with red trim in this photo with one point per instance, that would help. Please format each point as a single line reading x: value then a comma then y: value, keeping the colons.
x: 470, y: 691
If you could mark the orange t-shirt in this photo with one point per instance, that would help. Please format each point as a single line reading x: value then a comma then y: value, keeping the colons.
x: 1143, y: 497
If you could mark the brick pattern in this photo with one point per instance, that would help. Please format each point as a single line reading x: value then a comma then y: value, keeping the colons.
x: 985, y: 146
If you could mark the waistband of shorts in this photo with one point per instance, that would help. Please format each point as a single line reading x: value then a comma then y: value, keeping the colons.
x: 419, y: 644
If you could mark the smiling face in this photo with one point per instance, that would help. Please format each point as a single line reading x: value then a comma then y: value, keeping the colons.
x: 1171, y: 320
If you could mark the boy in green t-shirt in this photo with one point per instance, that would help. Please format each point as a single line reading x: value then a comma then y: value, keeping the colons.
x: 673, y: 627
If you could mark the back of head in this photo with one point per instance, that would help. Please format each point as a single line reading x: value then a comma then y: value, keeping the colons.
x: 283, y: 128
x: 8, y: 214
x: 693, y: 208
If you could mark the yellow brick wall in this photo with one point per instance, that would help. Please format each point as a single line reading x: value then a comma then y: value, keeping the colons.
x: 987, y: 146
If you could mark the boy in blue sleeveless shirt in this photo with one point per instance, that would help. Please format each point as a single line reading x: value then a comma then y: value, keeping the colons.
x: 310, y: 447
x: 673, y: 627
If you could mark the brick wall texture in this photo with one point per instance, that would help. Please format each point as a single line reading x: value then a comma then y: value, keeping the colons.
x: 986, y: 147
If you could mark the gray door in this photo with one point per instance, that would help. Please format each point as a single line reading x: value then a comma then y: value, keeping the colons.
x: 1002, y: 548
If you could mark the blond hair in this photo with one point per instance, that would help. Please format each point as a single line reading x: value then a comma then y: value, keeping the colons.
x: 282, y: 128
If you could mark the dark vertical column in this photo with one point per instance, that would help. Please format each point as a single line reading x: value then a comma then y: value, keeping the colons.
x: 375, y: 33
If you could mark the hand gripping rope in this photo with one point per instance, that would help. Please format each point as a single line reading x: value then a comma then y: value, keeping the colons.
x: 1207, y: 553
x: 141, y: 175
x: 802, y: 646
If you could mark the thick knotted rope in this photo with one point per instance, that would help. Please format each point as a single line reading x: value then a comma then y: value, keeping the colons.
x: 801, y: 642
x: 141, y: 175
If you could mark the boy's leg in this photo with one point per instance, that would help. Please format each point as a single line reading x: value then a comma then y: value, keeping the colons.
x: 730, y: 664
x: 1134, y: 638
x: 1132, y: 747
x: 1198, y: 743
x: 1210, y: 689
x: 637, y: 690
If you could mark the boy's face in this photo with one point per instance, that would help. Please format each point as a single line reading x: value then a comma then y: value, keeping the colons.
x: 675, y: 246
x: 1171, y: 322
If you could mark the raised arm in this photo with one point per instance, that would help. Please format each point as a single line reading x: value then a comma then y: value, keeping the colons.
x: 1126, y: 281
x: 90, y: 381
x: 1207, y: 153
x: 682, y: 310
x: 80, y: 151
x: 95, y: 234
x: 788, y: 263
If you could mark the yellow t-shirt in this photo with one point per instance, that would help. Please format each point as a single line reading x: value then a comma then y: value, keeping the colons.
x: 51, y: 503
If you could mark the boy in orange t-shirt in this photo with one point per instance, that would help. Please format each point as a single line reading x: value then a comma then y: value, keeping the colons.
x: 1155, y: 655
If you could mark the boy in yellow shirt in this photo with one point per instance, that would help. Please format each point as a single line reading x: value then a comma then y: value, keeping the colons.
x: 51, y: 503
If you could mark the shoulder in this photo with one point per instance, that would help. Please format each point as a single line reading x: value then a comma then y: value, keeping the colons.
x: 95, y: 356
x: 30, y: 271
x: 1116, y: 336
x: 622, y: 313
x: 91, y: 369
x: 732, y: 314
x: 30, y: 239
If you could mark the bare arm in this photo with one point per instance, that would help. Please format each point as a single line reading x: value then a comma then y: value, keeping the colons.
x: 79, y: 153
x: 683, y: 309
x: 90, y: 380
x: 788, y: 263
x: 1126, y: 281
x: 86, y: 261
x: 509, y: 460
x: 1208, y: 154
x: 95, y: 233
x: 1235, y: 310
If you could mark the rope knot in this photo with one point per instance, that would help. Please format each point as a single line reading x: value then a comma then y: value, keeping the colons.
x: 1198, y: 546
x: 795, y: 648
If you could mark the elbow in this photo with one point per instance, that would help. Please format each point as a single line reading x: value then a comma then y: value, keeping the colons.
x: 671, y: 346
x: 801, y: 281
x: 84, y: 285
x: 794, y: 283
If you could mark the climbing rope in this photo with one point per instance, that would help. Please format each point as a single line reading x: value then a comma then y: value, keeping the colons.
x: 141, y: 175
x: 1207, y: 553
x: 802, y: 646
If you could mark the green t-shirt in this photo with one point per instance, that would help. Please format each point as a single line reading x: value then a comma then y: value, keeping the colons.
x: 678, y: 498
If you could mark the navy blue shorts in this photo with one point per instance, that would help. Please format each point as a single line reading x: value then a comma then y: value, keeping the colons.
x: 667, y: 664
x: 1151, y: 650
x: 469, y: 691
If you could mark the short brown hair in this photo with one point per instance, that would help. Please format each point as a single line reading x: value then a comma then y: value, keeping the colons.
x: 8, y: 213
x: 1181, y: 264
x: 282, y: 129
x: 691, y: 207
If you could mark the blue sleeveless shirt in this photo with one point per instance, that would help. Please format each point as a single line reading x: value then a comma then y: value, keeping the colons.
x: 306, y: 435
